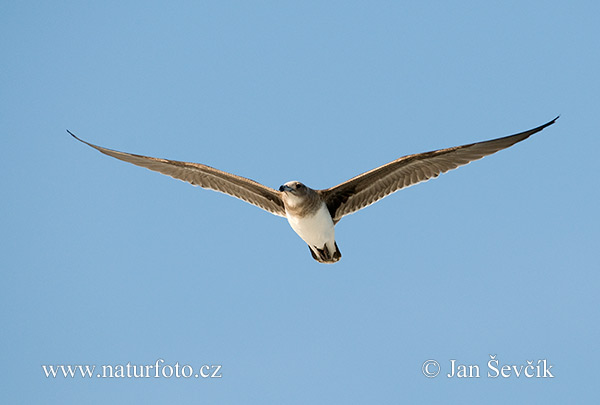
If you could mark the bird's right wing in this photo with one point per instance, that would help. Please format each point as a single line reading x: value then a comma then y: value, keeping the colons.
x: 367, y: 188
x: 206, y: 177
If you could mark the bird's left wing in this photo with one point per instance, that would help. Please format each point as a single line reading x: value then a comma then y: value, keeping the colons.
x: 206, y: 177
x: 367, y: 188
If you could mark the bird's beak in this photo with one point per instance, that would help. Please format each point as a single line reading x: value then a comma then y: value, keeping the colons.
x: 285, y: 188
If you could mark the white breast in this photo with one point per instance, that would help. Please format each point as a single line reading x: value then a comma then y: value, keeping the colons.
x: 315, y: 230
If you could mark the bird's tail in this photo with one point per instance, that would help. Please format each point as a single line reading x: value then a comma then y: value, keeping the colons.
x: 325, y: 255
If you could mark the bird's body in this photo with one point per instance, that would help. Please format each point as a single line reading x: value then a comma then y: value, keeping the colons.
x: 312, y: 214
x: 311, y: 221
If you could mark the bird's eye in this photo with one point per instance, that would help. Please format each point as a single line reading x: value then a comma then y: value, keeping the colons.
x: 299, y: 185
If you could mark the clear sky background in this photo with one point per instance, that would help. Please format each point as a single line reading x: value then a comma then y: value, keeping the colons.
x: 107, y: 263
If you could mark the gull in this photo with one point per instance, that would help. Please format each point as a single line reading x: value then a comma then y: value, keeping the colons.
x: 313, y: 214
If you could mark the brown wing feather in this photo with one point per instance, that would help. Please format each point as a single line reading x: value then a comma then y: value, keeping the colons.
x: 367, y: 188
x: 205, y: 177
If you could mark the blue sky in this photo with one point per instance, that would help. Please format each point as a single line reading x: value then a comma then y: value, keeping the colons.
x: 104, y: 263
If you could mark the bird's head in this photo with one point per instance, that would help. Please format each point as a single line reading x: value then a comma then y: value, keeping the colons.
x: 295, y: 192
x: 293, y: 187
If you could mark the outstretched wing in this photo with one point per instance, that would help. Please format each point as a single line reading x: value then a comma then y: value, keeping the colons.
x: 205, y: 177
x: 367, y: 188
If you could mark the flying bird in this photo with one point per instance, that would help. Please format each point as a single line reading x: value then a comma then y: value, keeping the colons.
x: 313, y: 214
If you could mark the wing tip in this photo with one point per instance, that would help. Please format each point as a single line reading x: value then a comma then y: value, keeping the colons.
x: 551, y: 122
x: 75, y: 136
x: 538, y: 129
x: 82, y: 141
